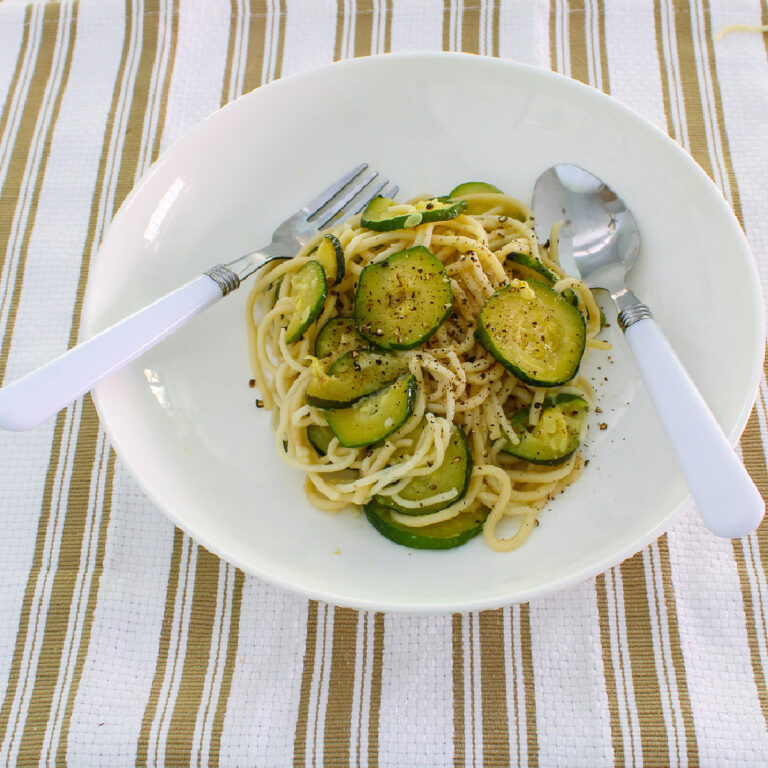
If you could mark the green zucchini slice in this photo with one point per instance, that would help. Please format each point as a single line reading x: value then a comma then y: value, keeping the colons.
x: 310, y: 289
x: 274, y: 285
x: 453, y: 473
x: 556, y: 436
x: 337, y: 337
x: 319, y: 437
x: 534, y: 332
x: 374, y: 417
x: 446, y: 535
x: 377, y: 217
x: 330, y: 255
x: 356, y: 374
x: 401, y: 301
x: 474, y: 188
x: 533, y: 264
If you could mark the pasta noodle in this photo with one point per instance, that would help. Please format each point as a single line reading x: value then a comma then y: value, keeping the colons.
x: 458, y: 380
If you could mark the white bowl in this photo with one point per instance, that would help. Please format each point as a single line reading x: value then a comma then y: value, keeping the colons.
x: 183, y: 420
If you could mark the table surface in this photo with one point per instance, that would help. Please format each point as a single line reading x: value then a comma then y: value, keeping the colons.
x: 122, y: 642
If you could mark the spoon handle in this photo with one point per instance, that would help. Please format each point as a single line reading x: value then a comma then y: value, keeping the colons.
x: 727, y: 499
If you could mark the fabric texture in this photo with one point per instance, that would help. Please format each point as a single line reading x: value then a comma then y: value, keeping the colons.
x: 122, y: 642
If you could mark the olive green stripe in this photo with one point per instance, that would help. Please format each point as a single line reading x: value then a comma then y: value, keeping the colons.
x: 611, y: 689
x: 653, y: 735
x: 447, y: 4
x: 233, y: 643
x: 665, y: 90
x: 197, y: 651
x: 256, y: 45
x: 363, y: 44
x: 553, y: 36
x: 678, y: 661
x: 279, y: 54
x: 470, y: 29
x: 340, y: 23
x: 719, y: 113
x: 61, y: 755
x: 24, y: 50
x: 308, y: 671
x: 603, y: 47
x: 20, y: 151
x: 234, y: 15
x: 150, y: 711
x: 494, y: 688
x: 389, y: 10
x: 375, y: 706
x: 496, y: 27
x: 577, y: 40
x: 166, y: 86
x: 459, y: 716
x: 341, y: 684
x: 529, y: 686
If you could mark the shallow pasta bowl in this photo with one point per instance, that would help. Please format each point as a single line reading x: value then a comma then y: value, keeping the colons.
x: 183, y: 419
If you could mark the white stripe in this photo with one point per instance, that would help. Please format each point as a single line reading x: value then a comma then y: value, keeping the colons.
x: 751, y: 549
x: 414, y: 26
x: 314, y: 686
x: 16, y: 105
x: 215, y: 666
x: 318, y: 742
x: 347, y: 47
x: 266, y: 682
x: 77, y: 613
x: 654, y: 591
x: 529, y: 42
x: 23, y: 208
x: 629, y: 685
x: 159, y: 67
x: 43, y: 588
x: 11, y: 41
x: 315, y: 21
x: 669, y: 37
x: 477, y: 692
x: 617, y: 660
x: 220, y: 667
x: 365, y: 704
x: 466, y: 663
x: 510, y: 629
x: 169, y: 688
x: 416, y: 691
x: 573, y: 716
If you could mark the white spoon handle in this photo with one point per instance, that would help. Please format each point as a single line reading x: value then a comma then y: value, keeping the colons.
x: 729, y: 503
x: 30, y: 400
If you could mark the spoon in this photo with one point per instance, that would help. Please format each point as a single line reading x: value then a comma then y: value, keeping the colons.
x: 599, y: 243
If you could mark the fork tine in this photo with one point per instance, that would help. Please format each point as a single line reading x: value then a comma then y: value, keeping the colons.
x: 354, y: 203
x: 390, y: 193
x: 325, y: 197
x: 336, y: 205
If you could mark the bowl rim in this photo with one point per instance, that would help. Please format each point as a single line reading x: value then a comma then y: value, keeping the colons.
x: 491, y: 601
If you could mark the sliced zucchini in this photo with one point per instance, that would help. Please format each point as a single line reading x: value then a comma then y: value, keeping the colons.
x: 337, y: 337
x: 556, y: 436
x: 452, y: 474
x: 310, y: 290
x: 356, y: 374
x: 330, y: 255
x: 374, y: 417
x: 275, y: 284
x: 534, y: 332
x: 446, y: 535
x: 377, y: 217
x: 401, y: 301
x: 473, y: 188
x: 320, y: 437
x: 533, y: 264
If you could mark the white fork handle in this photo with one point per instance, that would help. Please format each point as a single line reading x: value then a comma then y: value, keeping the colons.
x: 729, y: 503
x: 30, y: 400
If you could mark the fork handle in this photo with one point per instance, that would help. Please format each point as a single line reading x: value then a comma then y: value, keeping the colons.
x: 30, y: 400
x: 727, y: 499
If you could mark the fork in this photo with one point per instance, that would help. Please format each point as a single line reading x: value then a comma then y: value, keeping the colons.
x: 30, y: 400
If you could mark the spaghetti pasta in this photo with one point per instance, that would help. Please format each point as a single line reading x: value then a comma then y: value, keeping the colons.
x: 457, y: 380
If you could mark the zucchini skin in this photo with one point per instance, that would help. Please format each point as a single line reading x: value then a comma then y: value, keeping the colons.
x: 526, y: 260
x: 457, y: 430
x: 319, y: 437
x: 468, y: 525
x: 359, y: 440
x: 324, y: 341
x: 365, y: 316
x: 474, y: 188
x: 317, y: 305
x: 521, y: 417
x: 399, y: 222
x: 483, y: 336
x: 337, y: 258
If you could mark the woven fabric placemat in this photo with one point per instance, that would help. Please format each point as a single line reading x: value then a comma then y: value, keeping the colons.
x: 122, y: 642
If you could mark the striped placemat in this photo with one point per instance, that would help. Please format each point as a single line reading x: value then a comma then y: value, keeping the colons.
x: 122, y: 642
